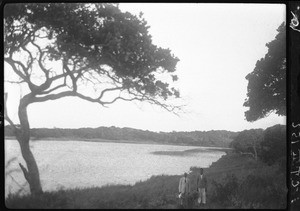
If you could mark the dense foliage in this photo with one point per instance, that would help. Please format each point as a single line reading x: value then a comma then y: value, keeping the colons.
x: 257, y: 190
x: 97, y: 44
x: 267, y: 82
x: 248, y: 141
x: 270, y: 144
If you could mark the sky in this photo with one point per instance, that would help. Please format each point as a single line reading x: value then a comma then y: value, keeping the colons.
x: 217, y: 44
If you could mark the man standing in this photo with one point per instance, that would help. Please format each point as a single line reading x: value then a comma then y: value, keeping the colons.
x: 184, y: 189
x: 201, y: 187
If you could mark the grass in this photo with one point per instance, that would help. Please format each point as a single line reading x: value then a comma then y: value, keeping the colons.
x: 234, y: 181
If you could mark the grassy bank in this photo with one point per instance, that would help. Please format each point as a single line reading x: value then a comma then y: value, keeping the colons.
x: 189, y: 152
x: 234, y: 181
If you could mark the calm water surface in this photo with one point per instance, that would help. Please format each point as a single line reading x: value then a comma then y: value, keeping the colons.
x: 70, y: 164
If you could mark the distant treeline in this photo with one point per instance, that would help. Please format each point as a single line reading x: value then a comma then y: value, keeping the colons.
x: 218, y: 138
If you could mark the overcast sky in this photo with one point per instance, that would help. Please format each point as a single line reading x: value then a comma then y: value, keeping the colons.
x: 217, y: 44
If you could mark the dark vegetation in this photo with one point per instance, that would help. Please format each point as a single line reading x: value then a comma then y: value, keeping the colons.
x: 246, y: 183
x: 236, y: 180
x: 269, y: 145
x: 266, y: 91
x: 220, y: 138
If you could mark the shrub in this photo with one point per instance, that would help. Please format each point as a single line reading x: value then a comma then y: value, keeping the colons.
x: 225, y: 190
x: 273, y: 146
x: 264, y: 190
x: 247, y: 142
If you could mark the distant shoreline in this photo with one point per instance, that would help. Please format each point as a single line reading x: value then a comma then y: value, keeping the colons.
x: 215, y: 148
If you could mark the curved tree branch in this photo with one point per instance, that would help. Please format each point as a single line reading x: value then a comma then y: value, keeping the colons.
x: 13, y: 64
x: 107, y: 90
x: 53, y: 96
x: 26, y: 77
x: 30, y: 62
x: 55, y: 88
x: 103, y: 103
x: 71, y: 74
x: 41, y: 65
x: 149, y: 100
x: 15, y: 82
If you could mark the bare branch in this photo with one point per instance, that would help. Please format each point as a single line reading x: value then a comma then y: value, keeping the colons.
x: 66, y: 73
x: 55, y: 88
x: 89, y: 80
x: 58, y: 77
x: 10, y: 122
x: 149, y: 100
x: 121, y: 98
x: 15, y: 82
x: 107, y: 90
x: 53, y: 96
x: 70, y: 73
x: 140, y: 97
x: 94, y: 100
x: 25, y: 172
x: 41, y: 54
x: 29, y: 64
x: 13, y: 63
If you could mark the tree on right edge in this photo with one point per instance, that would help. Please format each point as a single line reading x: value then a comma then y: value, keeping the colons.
x: 267, y: 82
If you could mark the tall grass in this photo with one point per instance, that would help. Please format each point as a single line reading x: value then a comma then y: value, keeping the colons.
x: 158, y: 191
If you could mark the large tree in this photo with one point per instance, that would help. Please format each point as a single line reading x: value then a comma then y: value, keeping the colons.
x: 71, y: 49
x: 267, y: 82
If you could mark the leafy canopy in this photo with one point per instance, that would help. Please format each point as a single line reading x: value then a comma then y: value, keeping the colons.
x: 94, y: 44
x: 267, y: 82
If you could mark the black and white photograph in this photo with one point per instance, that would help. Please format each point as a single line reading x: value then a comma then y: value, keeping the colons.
x: 147, y: 105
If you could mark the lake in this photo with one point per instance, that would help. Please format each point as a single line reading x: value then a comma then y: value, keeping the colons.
x: 70, y: 164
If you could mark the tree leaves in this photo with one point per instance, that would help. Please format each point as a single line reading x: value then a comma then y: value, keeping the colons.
x: 98, y: 35
x: 267, y: 83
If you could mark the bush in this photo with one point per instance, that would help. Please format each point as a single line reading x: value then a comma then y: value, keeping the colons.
x: 273, y: 147
x: 263, y: 188
x: 224, y: 191
x: 247, y: 141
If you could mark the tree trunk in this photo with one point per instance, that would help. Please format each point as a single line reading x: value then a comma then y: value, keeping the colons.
x: 32, y: 172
